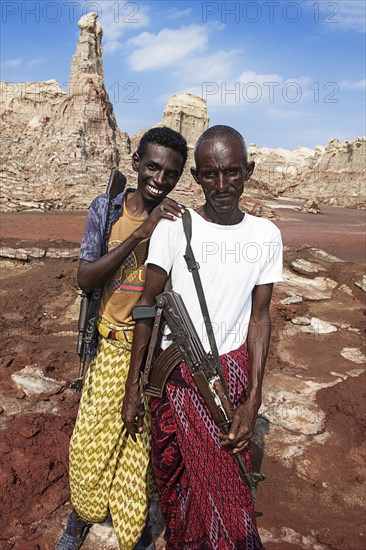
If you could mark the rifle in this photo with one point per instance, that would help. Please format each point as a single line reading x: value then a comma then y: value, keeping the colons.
x: 202, y: 367
x: 90, y: 302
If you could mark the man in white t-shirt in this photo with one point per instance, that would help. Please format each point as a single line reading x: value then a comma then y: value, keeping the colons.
x: 204, y: 502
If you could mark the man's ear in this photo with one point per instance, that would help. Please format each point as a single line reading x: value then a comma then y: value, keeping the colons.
x: 195, y: 175
x: 135, y: 162
x: 249, y: 170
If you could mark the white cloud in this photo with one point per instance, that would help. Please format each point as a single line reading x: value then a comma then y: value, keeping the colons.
x: 344, y: 15
x: 112, y: 46
x: 248, y: 77
x: 36, y: 61
x: 174, y: 13
x: 119, y: 17
x: 12, y: 62
x: 273, y: 79
x: 250, y: 90
x: 168, y: 47
x: 278, y: 113
x: 209, y: 68
x: 353, y: 84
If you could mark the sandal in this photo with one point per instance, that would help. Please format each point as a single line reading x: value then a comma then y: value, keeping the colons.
x: 72, y: 542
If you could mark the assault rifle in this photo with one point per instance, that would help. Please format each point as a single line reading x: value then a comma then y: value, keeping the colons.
x: 202, y: 367
x: 90, y: 302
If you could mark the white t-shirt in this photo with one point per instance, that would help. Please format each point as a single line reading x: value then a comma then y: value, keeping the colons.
x: 233, y: 259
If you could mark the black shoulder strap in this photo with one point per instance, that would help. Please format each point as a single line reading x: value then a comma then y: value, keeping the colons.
x: 193, y: 267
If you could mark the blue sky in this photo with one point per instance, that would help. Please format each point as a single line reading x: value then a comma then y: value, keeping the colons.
x: 284, y: 73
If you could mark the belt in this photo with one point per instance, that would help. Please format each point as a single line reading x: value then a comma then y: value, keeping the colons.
x: 120, y: 334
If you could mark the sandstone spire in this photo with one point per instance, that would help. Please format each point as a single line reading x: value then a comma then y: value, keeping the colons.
x: 59, y: 146
x: 88, y: 56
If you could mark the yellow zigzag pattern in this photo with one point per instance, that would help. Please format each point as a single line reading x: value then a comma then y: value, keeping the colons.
x: 108, y: 471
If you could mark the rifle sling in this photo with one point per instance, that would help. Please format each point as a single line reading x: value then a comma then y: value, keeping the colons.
x: 193, y: 267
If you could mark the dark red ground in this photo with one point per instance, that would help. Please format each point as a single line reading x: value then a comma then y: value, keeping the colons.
x: 338, y: 231
x: 35, y: 299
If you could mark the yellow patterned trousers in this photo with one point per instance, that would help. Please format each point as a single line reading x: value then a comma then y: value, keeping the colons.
x: 108, y: 471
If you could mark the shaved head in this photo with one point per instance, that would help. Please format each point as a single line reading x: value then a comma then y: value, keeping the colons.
x: 218, y: 132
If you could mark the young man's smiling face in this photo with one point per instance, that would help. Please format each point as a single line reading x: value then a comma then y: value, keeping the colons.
x: 221, y: 171
x: 158, y: 172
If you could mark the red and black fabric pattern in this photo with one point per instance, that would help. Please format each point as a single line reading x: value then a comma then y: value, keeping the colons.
x: 205, y: 503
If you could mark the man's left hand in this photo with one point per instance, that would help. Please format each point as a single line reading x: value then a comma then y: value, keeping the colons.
x: 241, y: 429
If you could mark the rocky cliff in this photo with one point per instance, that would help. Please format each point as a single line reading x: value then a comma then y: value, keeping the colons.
x: 334, y: 174
x: 188, y: 115
x: 58, y: 147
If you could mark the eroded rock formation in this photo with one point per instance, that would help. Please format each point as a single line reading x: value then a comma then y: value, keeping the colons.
x: 58, y: 147
x: 335, y: 174
x: 187, y: 114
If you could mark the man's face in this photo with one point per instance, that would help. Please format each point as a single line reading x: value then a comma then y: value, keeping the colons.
x: 158, y: 171
x: 221, y: 171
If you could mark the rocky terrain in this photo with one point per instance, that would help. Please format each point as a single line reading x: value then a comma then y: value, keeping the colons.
x: 59, y: 146
x: 335, y: 174
x: 310, y: 434
x: 55, y: 143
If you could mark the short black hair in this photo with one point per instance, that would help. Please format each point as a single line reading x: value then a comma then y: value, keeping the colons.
x: 167, y: 138
x: 220, y: 131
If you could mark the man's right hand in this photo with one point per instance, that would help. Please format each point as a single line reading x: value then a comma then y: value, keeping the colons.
x: 168, y: 209
x: 95, y: 274
x: 133, y: 411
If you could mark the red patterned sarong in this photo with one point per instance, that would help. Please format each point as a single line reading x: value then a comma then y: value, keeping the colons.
x: 204, y: 501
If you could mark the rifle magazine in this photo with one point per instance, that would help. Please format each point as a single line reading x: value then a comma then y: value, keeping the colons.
x: 163, y: 366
